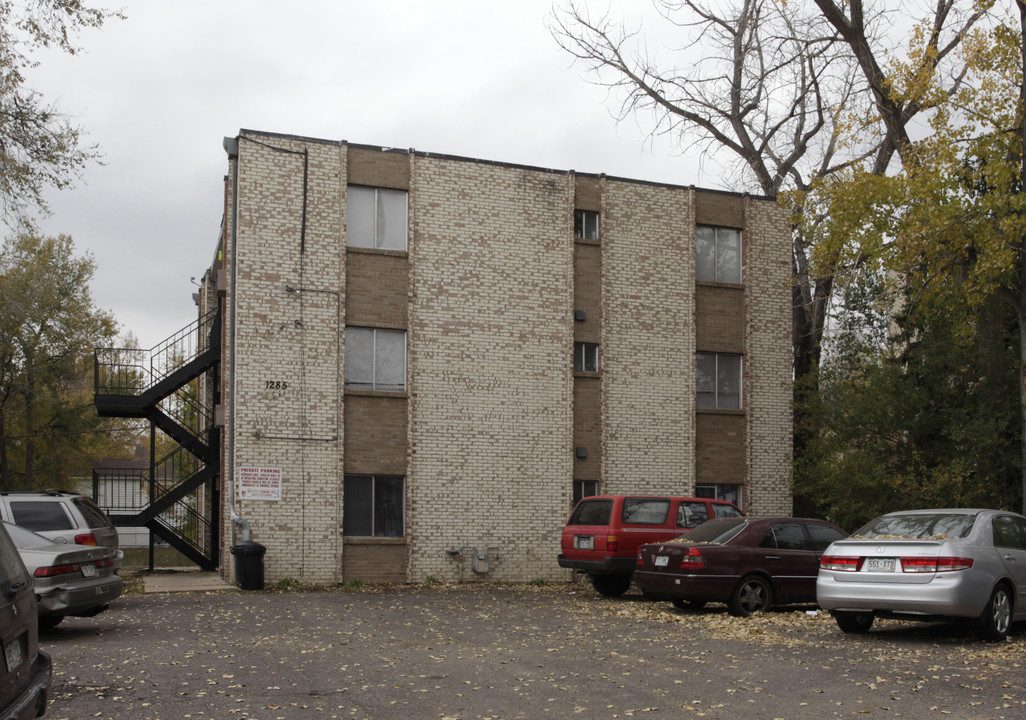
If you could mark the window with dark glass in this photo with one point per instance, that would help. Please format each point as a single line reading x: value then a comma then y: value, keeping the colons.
x: 372, y: 506
x: 727, y: 492
x: 586, y: 357
x: 718, y: 381
x: 645, y: 511
x: 584, y: 488
x: 691, y: 514
x: 820, y: 536
x: 586, y: 225
x: 718, y: 255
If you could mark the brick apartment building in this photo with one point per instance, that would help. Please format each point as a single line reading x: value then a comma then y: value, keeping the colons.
x: 426, y: 359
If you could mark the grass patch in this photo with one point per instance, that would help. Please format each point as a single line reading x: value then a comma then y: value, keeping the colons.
x: 163, y: 557
x: 134, y: 583
x: 286, y: 584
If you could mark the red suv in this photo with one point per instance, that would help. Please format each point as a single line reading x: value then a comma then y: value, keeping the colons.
x: 604, y: 532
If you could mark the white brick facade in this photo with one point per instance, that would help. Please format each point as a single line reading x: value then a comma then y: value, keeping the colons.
x: 488, y: 311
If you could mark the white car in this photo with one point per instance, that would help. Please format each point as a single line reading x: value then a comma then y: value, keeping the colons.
x: 929, y: 565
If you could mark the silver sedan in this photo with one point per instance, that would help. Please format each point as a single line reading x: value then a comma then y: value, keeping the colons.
x: 78, y: 580
x: 929, y: 565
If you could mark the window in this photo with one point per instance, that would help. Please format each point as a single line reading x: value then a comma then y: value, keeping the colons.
x: 785, y: 536
x: 586, y: 357
x: 691, y: 514
x: 718, y: 257
x: 1009, y: 532
x: 719, y: 381
x: 372, y: 506
x: 820, y: 536
x: 584, y: 488
x: 645, y: 511
x: 38, y: 515
x: 586, y: 225
x: 592, y: 512
x: 375, y: 218
x: 729, y: 493
x: 375, y: 359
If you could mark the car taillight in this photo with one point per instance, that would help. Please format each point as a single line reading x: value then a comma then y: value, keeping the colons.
x: 692, y: 559
x: 85, y: 539
x: 837, y: 562
x: 109, y: 562
x: 611, y: 543
x: 938, y: 564
x: 55, y: 570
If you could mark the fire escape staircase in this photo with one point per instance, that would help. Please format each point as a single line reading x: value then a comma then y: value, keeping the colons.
x: 176, y: 499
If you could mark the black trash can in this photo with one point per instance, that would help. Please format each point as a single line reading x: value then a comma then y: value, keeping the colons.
x: 249, y: 564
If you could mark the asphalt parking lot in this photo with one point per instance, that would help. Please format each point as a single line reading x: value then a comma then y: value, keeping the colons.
x: 503, y: 652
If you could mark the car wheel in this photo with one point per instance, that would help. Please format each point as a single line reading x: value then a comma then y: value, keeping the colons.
x: 682, y: 604
x: 753, y: 594
x: 50, y: 622
x: 855, y: 623
x: 993, y: 623
x: 611, y: 585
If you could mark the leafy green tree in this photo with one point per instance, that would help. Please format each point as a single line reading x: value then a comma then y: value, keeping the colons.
x: 48, y: 329
x: 39, y: 147
x: 951, y: 227
x: 916, y: 408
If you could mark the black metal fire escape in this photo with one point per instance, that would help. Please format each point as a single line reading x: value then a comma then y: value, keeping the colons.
x: 177, y: 498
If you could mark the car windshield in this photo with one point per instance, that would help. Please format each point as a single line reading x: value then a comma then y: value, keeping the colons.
x: 25, y: 538
x: 920, y: 526
x: 720, y: 530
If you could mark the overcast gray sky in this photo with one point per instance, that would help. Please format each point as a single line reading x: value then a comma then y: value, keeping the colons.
x: 159, y: 90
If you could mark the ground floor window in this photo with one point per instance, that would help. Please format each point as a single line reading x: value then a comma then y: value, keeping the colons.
x: 372, y: 506
x: 584, y: 488
x: 729, y: 493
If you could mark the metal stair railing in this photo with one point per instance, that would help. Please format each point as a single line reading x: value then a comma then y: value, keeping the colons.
x: 188, y: 524
x: 132, y: 371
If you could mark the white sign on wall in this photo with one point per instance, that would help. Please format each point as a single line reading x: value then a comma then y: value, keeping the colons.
x: 259, y: 483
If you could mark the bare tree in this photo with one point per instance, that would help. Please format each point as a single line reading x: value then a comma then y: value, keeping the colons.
x: 773, y: 87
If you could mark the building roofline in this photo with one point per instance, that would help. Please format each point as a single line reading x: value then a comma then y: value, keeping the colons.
x: 496, y: 163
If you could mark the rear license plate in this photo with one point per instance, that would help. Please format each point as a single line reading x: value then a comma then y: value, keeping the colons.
x: 89, y: 570
x: 12, y: 652
x: 881, y: 564
x: 662, y: 560
x: 584, y: 542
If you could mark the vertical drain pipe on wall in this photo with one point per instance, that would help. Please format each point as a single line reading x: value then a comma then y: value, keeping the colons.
x: 231, y: 146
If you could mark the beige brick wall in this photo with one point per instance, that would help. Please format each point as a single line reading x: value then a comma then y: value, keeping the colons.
x: 489, y: 310
x: 767, y: 272
x: 648, y: 339
x: 287, y: 385
x: 491, y: 267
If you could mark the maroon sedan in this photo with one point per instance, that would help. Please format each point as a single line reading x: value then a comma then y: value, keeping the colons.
x: 749, y: 563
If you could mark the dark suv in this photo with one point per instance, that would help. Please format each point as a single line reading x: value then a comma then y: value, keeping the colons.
x: 24, y: 672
